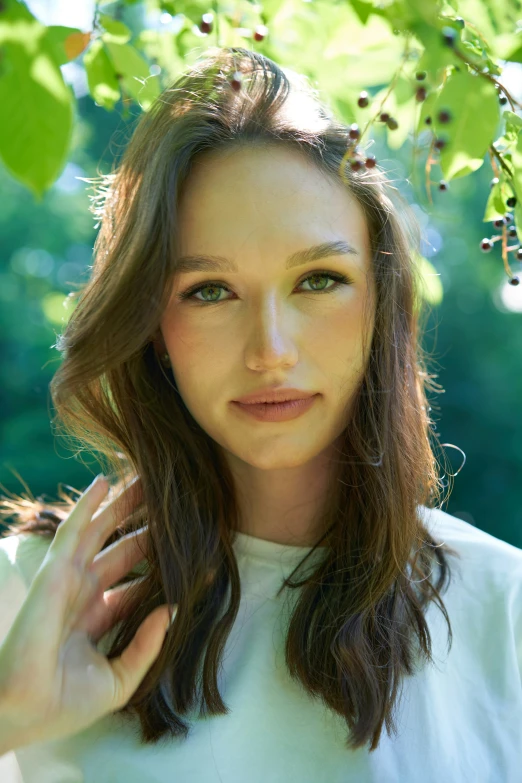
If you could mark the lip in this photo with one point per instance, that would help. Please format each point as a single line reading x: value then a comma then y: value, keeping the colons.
x: 276, y: 411
x: 272, y: 394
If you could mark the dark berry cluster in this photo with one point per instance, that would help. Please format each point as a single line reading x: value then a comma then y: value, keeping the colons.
x: 358, y: 161
x: 503, y: 223
x: 206, y: 25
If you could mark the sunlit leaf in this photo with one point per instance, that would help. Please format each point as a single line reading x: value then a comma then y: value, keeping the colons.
x: 65, y: 43
x: 468, y: 98
x: 37, y: 114
x: 114, y: 30
x: 101, y: 78
x: 517, y: 183
x: 134, y: 73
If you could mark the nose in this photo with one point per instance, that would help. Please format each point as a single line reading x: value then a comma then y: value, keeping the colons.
x: 270, y: 341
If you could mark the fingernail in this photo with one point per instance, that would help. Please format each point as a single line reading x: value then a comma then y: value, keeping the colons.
x: 93, y: 482
x: 173, y: 615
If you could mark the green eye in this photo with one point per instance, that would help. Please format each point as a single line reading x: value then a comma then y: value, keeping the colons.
x: 337, y: 278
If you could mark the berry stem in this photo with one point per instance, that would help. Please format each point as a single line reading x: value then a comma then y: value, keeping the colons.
x: 496, y: 153
x: 488, y: 76
x: 396, y: 75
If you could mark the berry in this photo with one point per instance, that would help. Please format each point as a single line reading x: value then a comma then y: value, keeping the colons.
x: 519, y: 254
x: 440, y: 144
x: 392, y: 123
x: 514, y: 280
x: 421, y: 93
x: 443, y: 185
x: 512, y: 232
x: 420, y: 75
x: 503, y: 100
x: 428, y: 120
x: 363, y: 99
x: 449, y: 36
x: 460, y: 21
x: 444, y: 116
x: 499, y: 222
x: 486, y: 245
x: 384, y: 117
x: 494, y: 182
x: 370, y: 161
x: 260, y: 32
x: 356, y: 165
x: 354, y: 133
x: 236, y: 80
x: 509, y: 217
x: 206, y: 23
x: 512, y: 201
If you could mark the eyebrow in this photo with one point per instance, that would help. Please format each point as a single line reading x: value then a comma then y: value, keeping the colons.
x: 202, y: 263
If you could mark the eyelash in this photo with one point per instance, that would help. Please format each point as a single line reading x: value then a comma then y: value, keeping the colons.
x: 338, y: 278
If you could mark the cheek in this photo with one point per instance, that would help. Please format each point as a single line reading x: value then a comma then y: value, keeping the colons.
x: 199, y: 350
x: 336, y: 337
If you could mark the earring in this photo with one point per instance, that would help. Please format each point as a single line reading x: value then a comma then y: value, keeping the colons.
x: 165, y: 358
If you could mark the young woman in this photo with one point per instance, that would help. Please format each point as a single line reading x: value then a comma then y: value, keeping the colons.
x: 246, y: 356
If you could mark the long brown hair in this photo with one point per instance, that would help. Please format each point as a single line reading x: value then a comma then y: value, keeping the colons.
x: 358, y: 627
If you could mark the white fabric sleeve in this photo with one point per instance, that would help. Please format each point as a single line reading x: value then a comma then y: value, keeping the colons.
x: 20, y: 558
x: 12, y: 594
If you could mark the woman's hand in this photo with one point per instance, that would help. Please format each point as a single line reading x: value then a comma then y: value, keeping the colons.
x: 53, y: 680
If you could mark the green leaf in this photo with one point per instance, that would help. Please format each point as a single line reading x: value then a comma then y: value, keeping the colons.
x: 508, y: 46
x: 496, y: 205
x: 37, y: 115
x: 103, y: 84
x: 513, y: 121
x: 135, y: 80
x: 516, y: 184
x: 360, y: 55
x: 474, y: 107
x: 364, y: 10
x: 115, y: 31
x: 65, y: 43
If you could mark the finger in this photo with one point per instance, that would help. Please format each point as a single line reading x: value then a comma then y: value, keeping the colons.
x: 105, y: 520
x: 116, y: 605
x: 71, y: 529
x: 132, y: 665
x: 116, y: 560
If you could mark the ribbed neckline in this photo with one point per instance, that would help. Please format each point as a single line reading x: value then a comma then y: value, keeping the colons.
x: 270, y: 551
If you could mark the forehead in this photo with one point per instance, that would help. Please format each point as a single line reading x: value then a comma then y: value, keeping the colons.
x: 262, y: 196
x: 264, y: 173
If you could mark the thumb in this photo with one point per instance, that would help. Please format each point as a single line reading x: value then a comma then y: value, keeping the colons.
x: 132, y: 665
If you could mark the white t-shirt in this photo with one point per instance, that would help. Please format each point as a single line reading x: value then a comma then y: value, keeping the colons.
x: 458, y: 721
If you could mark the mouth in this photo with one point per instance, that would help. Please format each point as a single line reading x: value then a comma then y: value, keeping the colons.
x: 284, y: 410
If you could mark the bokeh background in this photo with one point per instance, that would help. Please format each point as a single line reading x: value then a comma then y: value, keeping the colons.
x: 474, y: 335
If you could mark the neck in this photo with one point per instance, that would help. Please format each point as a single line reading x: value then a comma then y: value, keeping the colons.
x: 282, y: 505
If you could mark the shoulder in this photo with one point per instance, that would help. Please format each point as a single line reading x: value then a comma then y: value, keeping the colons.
x: 470, y: 540
x: 22, y: 554
x: 488, y: 566
x: 20, y: 558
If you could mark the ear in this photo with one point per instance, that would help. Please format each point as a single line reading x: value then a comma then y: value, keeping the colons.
x: 159, y: 343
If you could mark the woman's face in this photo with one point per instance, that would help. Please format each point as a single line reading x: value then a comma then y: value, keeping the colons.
x: 260, y: 323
